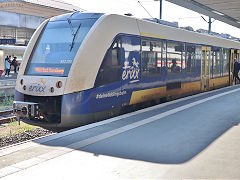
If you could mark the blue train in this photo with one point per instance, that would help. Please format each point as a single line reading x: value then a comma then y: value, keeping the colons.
x: 81, y: 68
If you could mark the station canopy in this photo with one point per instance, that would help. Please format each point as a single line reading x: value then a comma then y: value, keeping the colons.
x: 227, y: 11
x: 40, y: 8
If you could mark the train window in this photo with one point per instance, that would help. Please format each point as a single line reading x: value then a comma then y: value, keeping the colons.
x: 225, y: 54
x: 216, y: 62
x: 151, y: 58
x: 53, y: 56
x: 164, y: 58
x: 198, y: 55
x: 174, y: 56
x: 183, y: 56
x: 190, y: 58
x: 110, y: 70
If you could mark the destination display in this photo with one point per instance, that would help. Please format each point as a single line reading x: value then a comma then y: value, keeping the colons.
x: 49, y: 70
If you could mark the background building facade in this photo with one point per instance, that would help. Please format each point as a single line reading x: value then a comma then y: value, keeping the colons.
x: 20, y: 18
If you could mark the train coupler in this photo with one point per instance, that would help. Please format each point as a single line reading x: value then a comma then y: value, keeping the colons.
x: 27, y: 110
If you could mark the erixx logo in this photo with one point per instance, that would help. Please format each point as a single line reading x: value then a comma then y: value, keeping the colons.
x: 38, y: 87
x: 131, y: 72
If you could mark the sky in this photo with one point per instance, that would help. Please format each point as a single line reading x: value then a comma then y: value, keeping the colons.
x: 170, y: 12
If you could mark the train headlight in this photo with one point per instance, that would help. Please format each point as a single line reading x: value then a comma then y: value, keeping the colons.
x: 21, y: 81
x: 51, y: 89
x: 59, y: 84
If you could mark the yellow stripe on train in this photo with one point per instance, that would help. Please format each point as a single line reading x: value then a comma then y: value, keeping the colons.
x: 147, y: 94
x: 219, y: 82
x: 153, y: 35
x: 186, y: 89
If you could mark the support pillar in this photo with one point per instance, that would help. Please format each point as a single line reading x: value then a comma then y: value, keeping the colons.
x: 209, y: 25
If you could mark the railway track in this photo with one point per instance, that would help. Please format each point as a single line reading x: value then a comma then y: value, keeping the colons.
x: 6, y: 116
x: 11, y: 135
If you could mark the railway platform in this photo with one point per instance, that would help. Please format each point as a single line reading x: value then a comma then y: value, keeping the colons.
x: 7, y: 84
x: 11, y: 76
x: 196, y: 137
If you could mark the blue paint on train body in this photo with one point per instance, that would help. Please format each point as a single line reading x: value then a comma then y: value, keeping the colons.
x: 93, y: 100
x: 105, y: 97
x: 109, y: 96
x: 117, y: 94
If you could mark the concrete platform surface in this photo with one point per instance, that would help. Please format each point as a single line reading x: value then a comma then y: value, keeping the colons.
x: 197, y: 137
x: 7, y: 85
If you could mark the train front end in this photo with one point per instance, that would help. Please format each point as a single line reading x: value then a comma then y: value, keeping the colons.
x: 45, y: 70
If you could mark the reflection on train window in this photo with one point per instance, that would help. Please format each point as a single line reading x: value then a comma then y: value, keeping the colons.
x: 190, y: 59
x: 51, y: 51
x: 164, y: 58
x: 130, y: 57
x: 216, y: 62
x: 174, y: 54
x: 110, y: 70
x: 225, y: 61
x: 151, y: 58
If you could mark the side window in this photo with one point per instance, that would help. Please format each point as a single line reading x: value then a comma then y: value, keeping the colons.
x: 164, y: 58
x: 151, y: 58
x: 190, y: 59
x: 174, y: 56
x: 130, y: 58
x: 225, y: 55
x: 110, y: 70
x: 216, y: 62
x: 198, y: 55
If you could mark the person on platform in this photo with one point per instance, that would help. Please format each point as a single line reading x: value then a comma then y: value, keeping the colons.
x: 235, y: 71
x: 15, y: 64
x: 7, y: 67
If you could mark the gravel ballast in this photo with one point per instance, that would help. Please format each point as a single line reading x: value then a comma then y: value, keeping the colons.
x: 24, y: 136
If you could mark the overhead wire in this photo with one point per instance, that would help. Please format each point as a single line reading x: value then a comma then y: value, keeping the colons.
x: 145, y: 9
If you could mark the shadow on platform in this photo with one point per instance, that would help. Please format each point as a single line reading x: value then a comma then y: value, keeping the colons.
x: 173, y: 143
x: 172, y: 140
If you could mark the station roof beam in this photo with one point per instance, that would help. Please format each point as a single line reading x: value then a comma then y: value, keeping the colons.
x: 227, y: 11
x: 40, y: 8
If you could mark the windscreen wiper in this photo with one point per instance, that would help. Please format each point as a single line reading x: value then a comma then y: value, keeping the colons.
x: 70, y: 22
x: 74, y: 36
x: 72, y: 30
x: 70, y: 25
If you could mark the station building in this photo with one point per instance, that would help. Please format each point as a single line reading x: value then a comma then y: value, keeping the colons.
x: 20, y: 18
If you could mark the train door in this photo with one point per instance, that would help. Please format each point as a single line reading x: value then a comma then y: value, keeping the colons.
x: 205, y: 67
x: 130, y: 67
x: 232, y: 56
x: 238, y: 56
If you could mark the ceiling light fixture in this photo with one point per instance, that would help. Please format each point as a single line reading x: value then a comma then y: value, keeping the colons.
x: 216, y: 12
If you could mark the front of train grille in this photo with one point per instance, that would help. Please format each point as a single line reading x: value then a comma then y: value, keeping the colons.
x: 39, y: 110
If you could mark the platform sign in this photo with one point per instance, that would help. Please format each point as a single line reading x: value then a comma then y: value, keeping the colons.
x: 7, y: 41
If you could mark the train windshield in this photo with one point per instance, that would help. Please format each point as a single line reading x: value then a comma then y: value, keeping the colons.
x: 57, y: 46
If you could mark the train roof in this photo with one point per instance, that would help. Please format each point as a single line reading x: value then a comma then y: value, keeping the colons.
x: 76, y: 15
x: 153, y: 29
